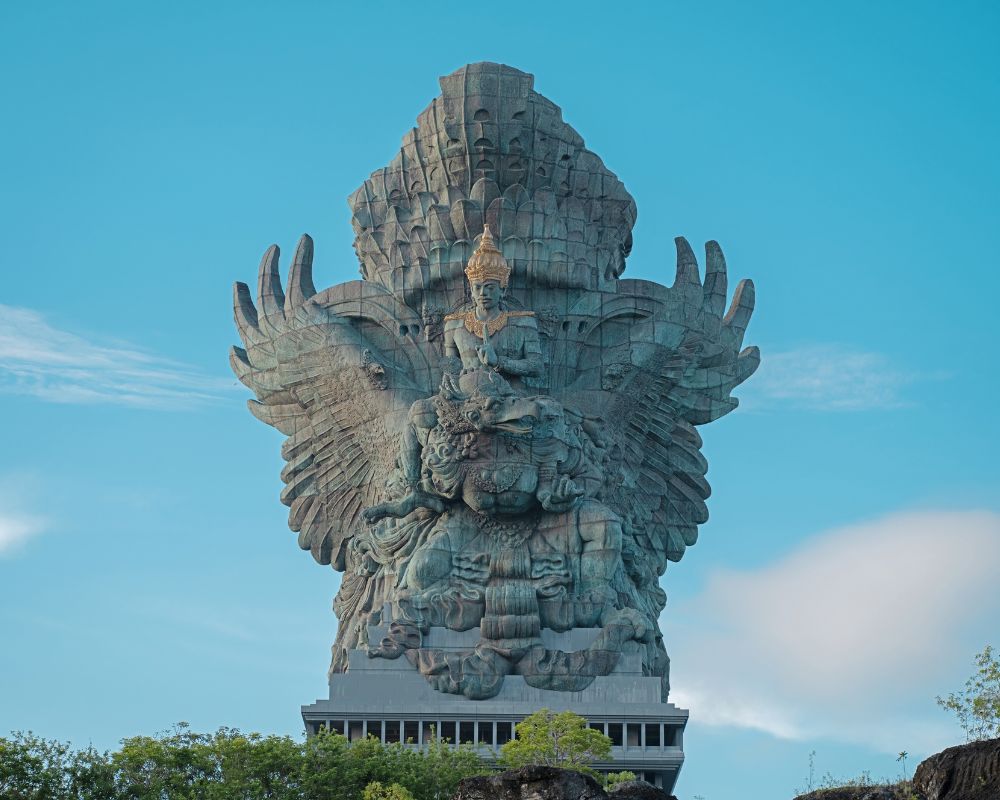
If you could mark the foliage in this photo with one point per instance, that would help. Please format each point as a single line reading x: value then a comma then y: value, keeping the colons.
x: 613, y: 779
x: 831, y: 785
x: 556, y: 740
x: 863, y: 781
x: 193, y: 766
x: 903, y: 755
x: 32, y: 768
x: 229, y: 765
x: 337, y: 770
x: 379, y: 791
x: 977, y: 706
x: 811, y: 781
x: 898, y: 790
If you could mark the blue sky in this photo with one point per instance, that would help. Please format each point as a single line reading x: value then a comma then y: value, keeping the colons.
x: 844, y: 155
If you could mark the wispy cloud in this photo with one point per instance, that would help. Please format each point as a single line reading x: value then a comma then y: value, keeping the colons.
x: 851, y: 636
x: 16, y: 529
x: 61, y: 367
x: 17, y: 523
x: 827, y: 378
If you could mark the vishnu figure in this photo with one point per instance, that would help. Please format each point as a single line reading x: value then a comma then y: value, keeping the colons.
x: 488, y: 336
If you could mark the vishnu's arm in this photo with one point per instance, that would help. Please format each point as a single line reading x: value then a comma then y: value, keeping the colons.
x: 530, y: 364
x: 452, y: 362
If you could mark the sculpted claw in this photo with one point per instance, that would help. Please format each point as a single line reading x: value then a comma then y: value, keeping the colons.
x: 402, y: 507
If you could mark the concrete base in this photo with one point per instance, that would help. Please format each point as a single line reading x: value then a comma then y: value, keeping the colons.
x: 391, y: 700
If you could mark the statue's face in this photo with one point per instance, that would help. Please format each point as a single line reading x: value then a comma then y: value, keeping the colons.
x: 486, y: 294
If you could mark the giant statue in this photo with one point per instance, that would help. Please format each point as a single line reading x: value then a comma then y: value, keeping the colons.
x: 493, y: 431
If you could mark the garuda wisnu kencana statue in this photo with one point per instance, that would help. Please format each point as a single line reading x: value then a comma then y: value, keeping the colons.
x: 492, y: 429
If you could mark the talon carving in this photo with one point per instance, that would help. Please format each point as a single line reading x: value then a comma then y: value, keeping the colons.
x: 402, y: 507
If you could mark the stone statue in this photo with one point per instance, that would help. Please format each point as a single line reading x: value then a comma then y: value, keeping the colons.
x: 508, y: 450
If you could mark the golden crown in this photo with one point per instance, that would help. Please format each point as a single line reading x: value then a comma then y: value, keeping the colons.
x: 488, y: 263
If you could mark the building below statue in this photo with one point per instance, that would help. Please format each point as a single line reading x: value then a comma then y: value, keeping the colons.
x: 391, y: 701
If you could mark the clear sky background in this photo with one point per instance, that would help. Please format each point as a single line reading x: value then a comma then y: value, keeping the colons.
x: 844, y: 154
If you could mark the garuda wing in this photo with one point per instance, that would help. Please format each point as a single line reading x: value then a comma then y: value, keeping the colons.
x: 336, y: 372
x: 675, y: 368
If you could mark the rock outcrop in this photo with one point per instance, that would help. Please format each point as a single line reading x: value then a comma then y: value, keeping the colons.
x: 897, y: 792
x: 638, y: 790
x: 967, y: 772
x: 551, y: 783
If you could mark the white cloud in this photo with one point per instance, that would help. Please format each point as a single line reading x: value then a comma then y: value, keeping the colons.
x: 16, y: 529
x: 826, y: 378
x: 18, y: 525
x: 851, y: 636
x: 57, y: 366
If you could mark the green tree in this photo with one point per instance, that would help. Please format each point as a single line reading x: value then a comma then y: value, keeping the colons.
x: 92, y: 775
x: 556, y: 740
x: 977, y: 706
x: 180, y: 764
x: 32, y: 768
x: 613, y: 779
x: 334, y: 769
x: 183, y: 765
x: 380, y: 791
x: 325, y: 769
x: 437, y: 769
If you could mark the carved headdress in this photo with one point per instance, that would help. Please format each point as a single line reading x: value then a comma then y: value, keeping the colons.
x: 488, y: 263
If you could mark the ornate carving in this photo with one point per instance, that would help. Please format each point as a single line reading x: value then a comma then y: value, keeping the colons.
x: 548, y: 320
x: 488, y: 263
x: 374, y: 370
x: 484, y: 329
x: 546, y: 469
x: 433, y: 319
x: 614, y: 374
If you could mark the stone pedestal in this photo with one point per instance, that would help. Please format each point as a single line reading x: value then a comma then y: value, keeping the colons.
x: 391, y: 700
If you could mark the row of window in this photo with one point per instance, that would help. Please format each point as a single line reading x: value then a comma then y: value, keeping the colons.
x: 491, y: 733
x: 634, y: 734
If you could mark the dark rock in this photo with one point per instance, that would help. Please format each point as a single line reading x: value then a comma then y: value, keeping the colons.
x: 967, y: 772
x: 531, y: 783
x: 551, y: 783
x: 638, y: 790
x: 897, y: 792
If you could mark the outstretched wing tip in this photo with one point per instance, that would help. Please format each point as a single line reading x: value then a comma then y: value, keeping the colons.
x: 300, y: 280
x: 687, y: 263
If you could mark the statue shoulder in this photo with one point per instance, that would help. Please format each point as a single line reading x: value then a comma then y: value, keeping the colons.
x: 523, y: 319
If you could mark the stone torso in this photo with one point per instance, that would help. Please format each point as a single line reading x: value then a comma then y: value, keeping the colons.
x: 503, y: 479
x: 516, y: 343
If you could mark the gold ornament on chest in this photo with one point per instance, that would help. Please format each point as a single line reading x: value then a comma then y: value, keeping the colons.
x: 482, y: 328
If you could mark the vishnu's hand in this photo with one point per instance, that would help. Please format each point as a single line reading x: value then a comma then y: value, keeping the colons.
x: 488, y: 355
x: 449, y: 385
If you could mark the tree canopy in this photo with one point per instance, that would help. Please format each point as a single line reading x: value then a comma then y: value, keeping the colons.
x: 229, y: 765
x: 977, y: 706
x: 556, y: 740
